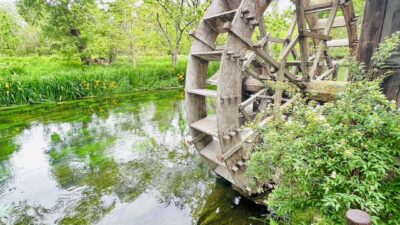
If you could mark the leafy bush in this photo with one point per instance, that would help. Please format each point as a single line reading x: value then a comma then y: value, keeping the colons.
x: 330, y: 158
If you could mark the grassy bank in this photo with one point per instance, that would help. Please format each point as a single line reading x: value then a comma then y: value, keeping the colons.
x: 31, y: 80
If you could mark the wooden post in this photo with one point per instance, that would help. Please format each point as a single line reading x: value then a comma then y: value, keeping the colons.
x: 301, y: 24
x: 358, y: 217
x: 374, y: 16
x: 381, y: 19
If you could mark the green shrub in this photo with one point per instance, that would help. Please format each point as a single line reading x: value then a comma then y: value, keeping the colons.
x: 330, y: 158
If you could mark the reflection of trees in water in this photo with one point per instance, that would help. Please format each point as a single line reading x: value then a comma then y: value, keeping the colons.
x: 85, y: 161
x: 82, y: 161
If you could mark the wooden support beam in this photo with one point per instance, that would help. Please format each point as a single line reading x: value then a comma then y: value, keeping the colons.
x: 320, y: 24
x: 253, y: 56
x: 196, y: 36
x: 322, y: 44
x: 325, y: 90
x: 289, y: 48
x: 252, y: 98
x: 315, y: 35
x: 281, y: 74
x: 244, y: 113
x: 279, y: 89
x: 327, y: 73
x: 372, y: 29
x: 277, y: 40
x: 264, y: 34
x: 264, y: 56
x: 301, y: 25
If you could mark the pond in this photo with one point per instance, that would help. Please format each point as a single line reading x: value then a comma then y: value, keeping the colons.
x: 115, y: 160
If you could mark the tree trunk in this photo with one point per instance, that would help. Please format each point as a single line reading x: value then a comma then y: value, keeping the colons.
x: 81, y: 45
x: 174, y: 56
x: 112, y: 56
x: 133, y: 54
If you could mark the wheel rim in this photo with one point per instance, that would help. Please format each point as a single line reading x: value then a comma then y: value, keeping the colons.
x: 246, y: 65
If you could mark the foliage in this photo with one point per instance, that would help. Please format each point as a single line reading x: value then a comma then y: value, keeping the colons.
x: 69, y: 22
x: 330, y: 158
x: 174, y: 18
x: 385, y: 51
x: 8, y: 33
x: 65, y: 80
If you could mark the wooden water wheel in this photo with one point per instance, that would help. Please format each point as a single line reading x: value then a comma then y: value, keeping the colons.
x: 246, y: 64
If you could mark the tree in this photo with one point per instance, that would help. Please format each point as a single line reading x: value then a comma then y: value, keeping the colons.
x: 8, y: 33
x: 125, y: 16
x: 175, y: 18
x: 70, y: 22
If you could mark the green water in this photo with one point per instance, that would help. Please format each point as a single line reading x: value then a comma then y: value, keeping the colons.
x: 117, y: 160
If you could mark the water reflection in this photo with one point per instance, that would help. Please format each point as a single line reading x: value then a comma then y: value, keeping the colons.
x: 118, y: 160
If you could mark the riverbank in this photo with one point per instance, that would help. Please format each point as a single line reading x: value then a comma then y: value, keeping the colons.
x: 32, y: 80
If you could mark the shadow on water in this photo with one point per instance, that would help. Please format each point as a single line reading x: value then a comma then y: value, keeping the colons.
x: 116, y: 160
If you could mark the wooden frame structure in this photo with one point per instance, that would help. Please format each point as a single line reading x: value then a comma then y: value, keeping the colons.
x: 386, y: 21
x: 246, y: 65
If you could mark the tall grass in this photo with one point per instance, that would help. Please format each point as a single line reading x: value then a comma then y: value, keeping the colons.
x: 31, y: 80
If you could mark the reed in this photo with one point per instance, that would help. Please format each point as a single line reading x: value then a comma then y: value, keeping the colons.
x: 32, y: 80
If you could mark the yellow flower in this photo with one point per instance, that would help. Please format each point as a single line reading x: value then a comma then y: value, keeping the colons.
x: 7, y: 85
x: 113, y: 85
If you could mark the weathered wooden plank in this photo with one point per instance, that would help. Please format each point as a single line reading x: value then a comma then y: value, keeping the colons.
x: 325, y: 90
x: 301, y: 25
x: 338, y: 43
x: 322, y: 44
x: 196, y: 73
x: 296, y: 63
x: 392, y: 25
x: 319, y: 6
x: 208, y: 56
x: 391, y: 85
x: 231, y: 77
x: 372, y: 29
x: 212, y: 152
x: 203, y: 92
x: 326, y: 74
x: 263, y: 33
x: 206, y: 125
x: 217, y: 21
x: 261, y: 43
x: 321, y: 24
x: 252, y: 98
x: 251, y: 84
x: 289, y: 48
x: 224, y: 173
x: 279, y: 90
x: 315, y: 35
x: 213, y: 80
x: 198, y: 37
x: 233, y: 4
x: 351, y: 19
x: 277, y: 40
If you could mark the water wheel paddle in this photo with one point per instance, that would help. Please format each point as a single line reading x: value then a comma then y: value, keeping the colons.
x: 245, y: 65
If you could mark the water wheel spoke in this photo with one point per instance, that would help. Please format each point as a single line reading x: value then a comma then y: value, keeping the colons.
x: 242, y: 94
